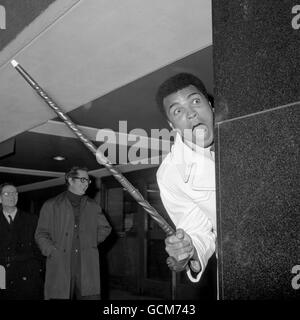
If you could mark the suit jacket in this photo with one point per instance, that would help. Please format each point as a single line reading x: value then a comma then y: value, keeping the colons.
x: 20, y: 257
x: 54, y: 236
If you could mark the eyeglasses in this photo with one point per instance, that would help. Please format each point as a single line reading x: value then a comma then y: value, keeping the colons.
x: 83, y: 180
x: 8, y: 194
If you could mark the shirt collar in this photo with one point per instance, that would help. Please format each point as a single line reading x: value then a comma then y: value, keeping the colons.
x: 12, y: 214
x: 186, y: 158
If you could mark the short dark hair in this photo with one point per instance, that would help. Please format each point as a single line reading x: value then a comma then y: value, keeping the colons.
x: 73, y: 172
x: 176, y: 83
x: 6, y: 184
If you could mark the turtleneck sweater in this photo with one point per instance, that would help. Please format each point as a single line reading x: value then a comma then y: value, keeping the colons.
x: 75, y: 199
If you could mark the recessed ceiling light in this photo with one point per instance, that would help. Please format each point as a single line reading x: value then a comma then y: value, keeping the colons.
x: 59, y: 158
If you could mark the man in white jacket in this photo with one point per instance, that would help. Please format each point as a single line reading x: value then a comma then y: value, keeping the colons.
x: 186, y: 177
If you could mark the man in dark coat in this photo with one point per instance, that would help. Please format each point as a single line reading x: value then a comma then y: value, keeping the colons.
x: 20, y: 258
x: 70, y: 227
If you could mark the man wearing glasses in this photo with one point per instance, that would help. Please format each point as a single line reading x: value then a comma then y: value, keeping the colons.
x: 20, y: 259
x: 70, y: 227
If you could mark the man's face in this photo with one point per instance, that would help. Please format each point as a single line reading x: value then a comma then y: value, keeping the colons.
x: 188, y: 109
x: 79, y: 184
x: 9, y: 196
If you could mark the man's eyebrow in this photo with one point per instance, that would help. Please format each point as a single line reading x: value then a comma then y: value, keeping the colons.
x: 194, y: 93
x: 190, y: 95
x: 173, y: 105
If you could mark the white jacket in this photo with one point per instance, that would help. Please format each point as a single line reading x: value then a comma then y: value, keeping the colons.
x: 186, y: 180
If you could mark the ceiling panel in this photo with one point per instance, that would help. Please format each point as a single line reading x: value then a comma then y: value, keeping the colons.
x: 94, y: 48
x: 19, y: 14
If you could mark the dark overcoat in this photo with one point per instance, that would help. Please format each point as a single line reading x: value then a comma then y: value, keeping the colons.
x: 54, y: 236
x: 20, y: 257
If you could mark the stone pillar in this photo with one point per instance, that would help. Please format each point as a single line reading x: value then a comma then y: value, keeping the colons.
x: 257, y: 90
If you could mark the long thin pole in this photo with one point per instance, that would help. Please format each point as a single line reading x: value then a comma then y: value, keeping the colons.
x: 101, y: 159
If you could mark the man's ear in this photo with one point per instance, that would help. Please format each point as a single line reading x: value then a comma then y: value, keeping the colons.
x: 69, y: 179
x: 171, y: 125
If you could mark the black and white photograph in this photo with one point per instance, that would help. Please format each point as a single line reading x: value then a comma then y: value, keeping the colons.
x: 149, y: 154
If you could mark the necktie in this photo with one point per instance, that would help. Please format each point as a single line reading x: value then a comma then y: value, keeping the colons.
x: 10, y: 219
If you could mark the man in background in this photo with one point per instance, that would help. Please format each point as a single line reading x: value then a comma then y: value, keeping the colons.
x: 19, y: 255
x: 70, y: 227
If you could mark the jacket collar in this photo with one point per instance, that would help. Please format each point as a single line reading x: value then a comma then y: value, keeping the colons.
x: 197, y: 164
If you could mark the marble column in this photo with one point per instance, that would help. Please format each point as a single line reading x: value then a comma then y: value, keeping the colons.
x: 257, y: 93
